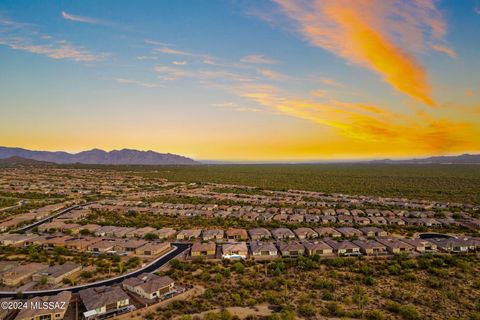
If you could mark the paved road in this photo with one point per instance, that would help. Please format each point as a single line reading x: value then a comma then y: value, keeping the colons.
x: 178, y: 248
x: 42, y: 221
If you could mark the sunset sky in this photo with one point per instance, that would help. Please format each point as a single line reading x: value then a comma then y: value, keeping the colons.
x: 251, y: 80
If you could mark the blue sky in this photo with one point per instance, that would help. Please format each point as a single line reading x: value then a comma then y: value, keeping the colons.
x: 242, y: 80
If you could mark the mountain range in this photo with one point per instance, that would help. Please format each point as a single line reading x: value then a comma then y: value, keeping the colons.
x: 97, y: 156
x: 461, y: 159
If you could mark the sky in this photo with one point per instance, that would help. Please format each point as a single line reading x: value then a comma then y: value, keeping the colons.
x: 249, y: 80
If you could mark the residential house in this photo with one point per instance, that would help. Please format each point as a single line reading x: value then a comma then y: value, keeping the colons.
x: 150, y: 286
x: 361, y: 220
x: 104, y: 301
x: 141, y: 232
x: 91, y: 227
x: 282, y: 217
x: 15, y: 239
x: 55, y: 274
x: 317, y: 247
x: 265, y: 216
x: 291, y: 248
x: 81, y: 244
x: 451, y: 245
x: 395, y: 221
x: 237, y: 234
x: 371, y: 247
x: 263, y: 250
x: 251, y: 216
x: 165, y: 233
x: 128, y: 245
x: 203, y: 249
x: 259, y: 234
x: 104, y: 231
x: 7, y: 265
x: 343, y: 248
x: 57, y: 305
x: 329, y: 212
x: 373, y: 232
x: 236, y: 250
x: 103, y: 246
x: 71, y: 228
x: 327, y: 219
x: 421, y: 245
x: 344, y: 219
x: 297, y: 217
x: 348, y: 232
x: 378, y: 220
x: 473, y: 243
x: 372, y: 212
x: 120, y: 232
x: 396, y: 246
x: 283, y: 234
x: 53, y: 242
x: 343, y: 212
x: 189, y: 234
x: 212, y: 234
x: 312, y: 218
x: 305, y: 233
x: 328, y: 232
x: 21, y: 273
x: 357, y: 212
x: 51, y: 226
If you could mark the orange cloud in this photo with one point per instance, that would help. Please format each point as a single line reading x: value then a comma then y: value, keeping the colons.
x: 372, y: 33
x: 373, y: 125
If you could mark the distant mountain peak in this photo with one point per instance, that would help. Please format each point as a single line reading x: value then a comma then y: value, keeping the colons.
x: 99, y: 156
x: 465, y: 158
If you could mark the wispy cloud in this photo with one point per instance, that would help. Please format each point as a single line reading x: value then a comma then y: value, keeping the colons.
x: 477, y: 10
x: 174, y: 73
x: 64, y: 51
x: 258, y: 59
x: 318, y: 93
x: 146, y: 58
x: 180, y: 62
x: 18, y: 36
x: 225, y: 104
x: 139, y: 83
x: 235, y: 107
x: 71, y: 17
x: 273, y: 75
x: 444, y: 49
x: 329, y: 82
x: 155, y: 43
x: 373, y: 34
x: 167, y: 50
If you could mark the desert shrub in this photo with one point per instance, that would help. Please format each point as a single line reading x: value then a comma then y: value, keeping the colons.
x: 306, y: 310
x: 374, y: 315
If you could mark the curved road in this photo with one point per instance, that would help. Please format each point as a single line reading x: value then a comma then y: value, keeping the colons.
x: 178, y: 248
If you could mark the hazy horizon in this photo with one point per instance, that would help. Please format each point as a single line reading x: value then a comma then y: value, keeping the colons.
x: 267, y: 161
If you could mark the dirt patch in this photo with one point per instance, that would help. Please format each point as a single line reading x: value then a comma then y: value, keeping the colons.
x: 241, y: 312
x: 140, y: 314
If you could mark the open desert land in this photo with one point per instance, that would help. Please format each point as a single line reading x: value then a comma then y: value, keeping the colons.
x: 281, y: 252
